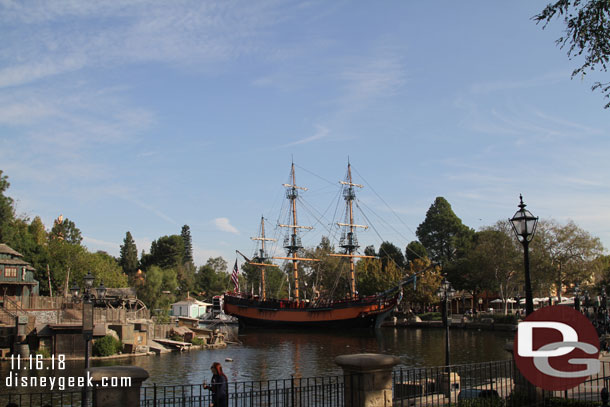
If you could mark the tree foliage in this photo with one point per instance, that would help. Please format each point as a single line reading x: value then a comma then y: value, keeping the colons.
x: 442, y: 232
x: 414, y: 251
x: 129, y: 255
x: 586, y: 34
x: 187, y: 258
x: 67, y: 231
x: 7, y: 211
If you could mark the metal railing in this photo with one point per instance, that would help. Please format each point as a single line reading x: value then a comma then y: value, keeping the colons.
x: 49, y: 399
x: 492, y: 384
x: 294, y: 392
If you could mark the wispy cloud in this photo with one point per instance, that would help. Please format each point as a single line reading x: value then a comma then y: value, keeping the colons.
x: 224, y: 225
x: 503, y: 85
x: 321, y: 132
x: 111, y: 247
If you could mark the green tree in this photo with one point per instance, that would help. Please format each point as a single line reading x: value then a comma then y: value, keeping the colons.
x: 212, y: 279
x: 442, y: 233
x: 390, y: 253
x: 129, y: 255
x: 569, y: 253
x: 415, y: 250
x: 67, y: 231
x: 159, y: 289
x: 7, y: 210
x: 587, y: 34
x: 188, y: 245
x: 427, y: 283
x: 373, y: 276
x: 165, y: 252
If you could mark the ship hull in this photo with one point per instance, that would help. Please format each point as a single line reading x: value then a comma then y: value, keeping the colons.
x: 288, y: 314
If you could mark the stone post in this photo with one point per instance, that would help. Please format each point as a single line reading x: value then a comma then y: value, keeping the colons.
x: 367, y: 379
x: 113, y: 377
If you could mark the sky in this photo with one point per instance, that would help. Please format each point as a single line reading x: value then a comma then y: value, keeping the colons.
x: 144, y: 116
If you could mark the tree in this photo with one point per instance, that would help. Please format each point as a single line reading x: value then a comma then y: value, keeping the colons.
x: 442, y: 232
x: 7, y: 211
x: 165, y: 252
x: 415, y: 250
x: 390, y: 253
x: 66, y: 230
x: 129, y: 255
x: 158, y: 292
x: 427, y: 283
x: 374, y: 277
x: 188, y: 245
x: 569, y: 253
x: 587, y: 32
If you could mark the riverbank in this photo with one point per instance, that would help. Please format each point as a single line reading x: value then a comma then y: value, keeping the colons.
x: 486, y: 324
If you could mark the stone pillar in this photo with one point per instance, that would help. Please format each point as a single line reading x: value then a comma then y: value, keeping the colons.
x: 112, y: 396
x: 367, y: 379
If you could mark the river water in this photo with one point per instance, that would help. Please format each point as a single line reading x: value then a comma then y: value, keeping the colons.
x: 278, y: 354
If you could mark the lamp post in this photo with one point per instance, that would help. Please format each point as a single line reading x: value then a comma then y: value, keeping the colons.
x: 577, y: 298
x: 445, y: 291
x: 524, y: 226
x: 88, y: 300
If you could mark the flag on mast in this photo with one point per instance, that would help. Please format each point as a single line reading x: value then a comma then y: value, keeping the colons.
x: 235, y: 276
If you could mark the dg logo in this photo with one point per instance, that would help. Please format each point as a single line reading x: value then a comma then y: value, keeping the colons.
x: 556, y: 348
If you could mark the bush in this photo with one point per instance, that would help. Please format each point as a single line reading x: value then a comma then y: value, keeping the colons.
x: 431, y: 316
x: 106, y: 346
x: 44, y: 352
x: 197, y: 341
x: 559, y: 402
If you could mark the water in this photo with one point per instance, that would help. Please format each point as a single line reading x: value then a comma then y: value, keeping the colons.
x: 278, y: 354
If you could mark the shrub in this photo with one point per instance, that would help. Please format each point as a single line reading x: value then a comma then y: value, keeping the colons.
x: 106, y: 346
x: 431, y: 316
x: 44, y: 352
x: 197, y: 341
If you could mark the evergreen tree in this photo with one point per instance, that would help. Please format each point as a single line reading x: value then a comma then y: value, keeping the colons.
x: 67, y: 231
x: 188, y: 245
x: 442, y: 232
x: 129, y: 255
x: 7, y: 211
x: 415, y: 250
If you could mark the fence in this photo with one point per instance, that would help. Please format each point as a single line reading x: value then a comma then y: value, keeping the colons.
x: 56, y: 399
x: 314, y: 391
x: 492, y: 384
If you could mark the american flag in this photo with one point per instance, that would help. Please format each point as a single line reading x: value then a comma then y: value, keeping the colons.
x: 235, y: 276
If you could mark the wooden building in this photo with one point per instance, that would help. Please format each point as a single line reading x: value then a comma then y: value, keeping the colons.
x: 16, y: 275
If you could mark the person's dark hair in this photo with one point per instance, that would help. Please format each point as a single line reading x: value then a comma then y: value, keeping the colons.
x: 218, y: 367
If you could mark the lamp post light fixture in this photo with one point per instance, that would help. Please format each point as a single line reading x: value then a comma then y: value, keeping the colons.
x: 88, y: 299
x: 524, y: 226
x: 445, y: 291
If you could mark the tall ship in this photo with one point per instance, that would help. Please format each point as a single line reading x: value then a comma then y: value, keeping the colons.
x: 295, y: 312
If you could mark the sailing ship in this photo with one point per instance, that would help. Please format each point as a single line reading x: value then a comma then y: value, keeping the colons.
x: 352, y: 311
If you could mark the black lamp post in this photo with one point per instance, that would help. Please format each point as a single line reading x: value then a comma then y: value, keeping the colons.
x: 524, y: 226
x: 577, y: 298
x: 445, y: 291
x: 88, y: 300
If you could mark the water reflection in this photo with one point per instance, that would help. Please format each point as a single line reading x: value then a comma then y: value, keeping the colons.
x: 278, y: 354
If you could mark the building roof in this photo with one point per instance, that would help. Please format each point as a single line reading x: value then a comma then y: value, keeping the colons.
x: 4, y: 249
x: 191, y: 301
x: 14, y: 262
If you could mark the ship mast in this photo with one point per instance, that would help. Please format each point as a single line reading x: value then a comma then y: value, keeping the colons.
x: 349, y: 241
x: 292, y: 241
x: 262, y: 256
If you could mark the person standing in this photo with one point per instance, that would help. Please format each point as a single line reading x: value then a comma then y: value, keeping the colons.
x: 218, y: 387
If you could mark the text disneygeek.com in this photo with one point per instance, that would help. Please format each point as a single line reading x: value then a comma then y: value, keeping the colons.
x: 61, y: 383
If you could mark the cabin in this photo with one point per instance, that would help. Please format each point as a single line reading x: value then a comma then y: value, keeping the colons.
x: 190, y: 308
x: 16, y: 275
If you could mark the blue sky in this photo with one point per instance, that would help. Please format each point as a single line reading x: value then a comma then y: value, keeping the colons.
x: 148, y: 115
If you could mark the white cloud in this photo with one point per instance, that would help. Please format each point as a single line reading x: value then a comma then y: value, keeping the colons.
x: 322, y: 132
x: 224, y: 225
